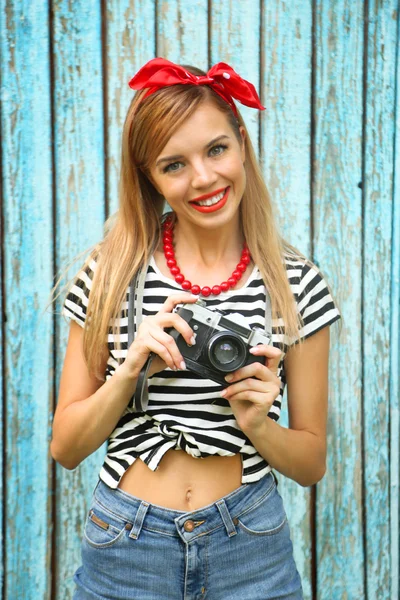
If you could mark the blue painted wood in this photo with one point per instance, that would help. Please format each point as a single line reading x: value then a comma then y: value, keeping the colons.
x: 27, y: 277
x: 130, y: 42
x: 394, y: 381
x: 286, y: 159
x: 235, y: 39
x: 80, y: 212
x: 378, y: 185
x: 337, y: 247
x: 182, y: 32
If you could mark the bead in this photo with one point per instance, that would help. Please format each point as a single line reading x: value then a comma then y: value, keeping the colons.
x: 169, y: 253
x: 206, y: 291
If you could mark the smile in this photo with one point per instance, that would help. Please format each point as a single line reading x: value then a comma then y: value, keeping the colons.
x: 212, y: 203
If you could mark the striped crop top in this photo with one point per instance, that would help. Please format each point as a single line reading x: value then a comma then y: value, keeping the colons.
x: 185, y: 411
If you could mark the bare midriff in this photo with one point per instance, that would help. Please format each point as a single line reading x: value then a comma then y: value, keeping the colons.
x: 182, y: 482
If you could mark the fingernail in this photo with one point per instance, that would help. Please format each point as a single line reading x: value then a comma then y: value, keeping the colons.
x: 223, y: 393
x: 229, y: 378
x: 192, y: 340
x: 182, y: 365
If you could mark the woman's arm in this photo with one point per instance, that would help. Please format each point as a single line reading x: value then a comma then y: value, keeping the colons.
x: 300, y: 451
x: 87, y: 409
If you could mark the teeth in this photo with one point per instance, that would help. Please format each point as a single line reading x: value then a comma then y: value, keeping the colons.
x: 211, y: 201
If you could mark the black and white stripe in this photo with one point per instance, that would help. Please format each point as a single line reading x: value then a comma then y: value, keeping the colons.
x: 186, y: 411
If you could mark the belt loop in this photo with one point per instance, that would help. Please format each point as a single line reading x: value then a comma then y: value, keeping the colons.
x: 275, y: 477
x: 226, y: 517
x: 140, y: 515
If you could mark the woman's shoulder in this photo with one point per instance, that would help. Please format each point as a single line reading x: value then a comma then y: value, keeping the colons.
x: 304, y: 275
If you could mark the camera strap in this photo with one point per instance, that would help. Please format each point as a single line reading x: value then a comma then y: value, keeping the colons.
x: 140, y: 398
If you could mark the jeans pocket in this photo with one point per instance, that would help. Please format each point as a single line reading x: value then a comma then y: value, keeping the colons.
x: 103, y: 528
x: 266, y: 517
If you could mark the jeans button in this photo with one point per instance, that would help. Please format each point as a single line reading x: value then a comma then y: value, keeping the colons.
x: 188, y: 526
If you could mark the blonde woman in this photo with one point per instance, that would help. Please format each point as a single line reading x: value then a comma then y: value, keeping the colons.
x: 187, y: 505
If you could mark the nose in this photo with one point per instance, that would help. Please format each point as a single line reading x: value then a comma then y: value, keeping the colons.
x: 203, y: 175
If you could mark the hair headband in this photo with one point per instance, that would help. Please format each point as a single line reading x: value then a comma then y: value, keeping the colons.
x: 159, y: 73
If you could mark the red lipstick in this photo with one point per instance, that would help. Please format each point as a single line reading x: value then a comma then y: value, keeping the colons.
x: 206, y: 196
x: 209, y: 209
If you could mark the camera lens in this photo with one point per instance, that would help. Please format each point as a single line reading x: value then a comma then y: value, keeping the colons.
x: 226, y: 351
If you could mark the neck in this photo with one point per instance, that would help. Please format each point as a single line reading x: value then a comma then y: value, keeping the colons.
x: 208, y: 247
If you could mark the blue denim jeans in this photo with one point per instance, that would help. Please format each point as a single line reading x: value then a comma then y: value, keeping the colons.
x: 238, y: 547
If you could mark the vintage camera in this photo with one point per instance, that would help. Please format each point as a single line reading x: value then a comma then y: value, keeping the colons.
x: 222, y: 342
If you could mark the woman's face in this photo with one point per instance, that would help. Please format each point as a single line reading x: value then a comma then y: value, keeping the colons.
x: 202, y: 158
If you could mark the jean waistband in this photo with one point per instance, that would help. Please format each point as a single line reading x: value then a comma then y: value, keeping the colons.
x: 223, y: 512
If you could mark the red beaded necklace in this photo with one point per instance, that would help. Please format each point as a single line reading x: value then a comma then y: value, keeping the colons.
x: 169, y: 253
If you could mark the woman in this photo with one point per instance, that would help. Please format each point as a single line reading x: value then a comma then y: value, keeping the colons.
x: 162, y: 523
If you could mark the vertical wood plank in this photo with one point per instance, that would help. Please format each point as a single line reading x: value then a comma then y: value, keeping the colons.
x: 395, y: 340
x: 378, y: 194
x: 235, y: 39
x: 337, y: 216
x: 286, y: 158
x: 130, y: 42
x: 79, y: 164
x: 182, y: 31
x: 27, y: 262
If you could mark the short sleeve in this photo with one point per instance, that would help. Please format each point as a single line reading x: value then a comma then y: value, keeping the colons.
x: 314, y: 302
x: 77, y: 299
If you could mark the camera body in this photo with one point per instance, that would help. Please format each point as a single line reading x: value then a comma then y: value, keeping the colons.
x: 222, y: 342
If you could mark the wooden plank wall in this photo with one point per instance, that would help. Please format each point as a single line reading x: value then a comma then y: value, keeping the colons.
x: 328, y: 72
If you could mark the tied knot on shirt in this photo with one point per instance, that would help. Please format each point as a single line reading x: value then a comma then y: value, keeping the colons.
x: 166, y: 431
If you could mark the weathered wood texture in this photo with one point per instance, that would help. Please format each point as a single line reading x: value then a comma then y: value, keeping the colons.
x: 328, y: 143
x: 337, y: 245
x: 79, y: 211
x: 377, y: 200
x: 286, y: 54
x: 27, y: 269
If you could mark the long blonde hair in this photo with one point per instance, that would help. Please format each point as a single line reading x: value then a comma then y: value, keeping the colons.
x: 133, y: 233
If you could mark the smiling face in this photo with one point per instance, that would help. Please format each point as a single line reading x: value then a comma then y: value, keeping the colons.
x: 203, y: 158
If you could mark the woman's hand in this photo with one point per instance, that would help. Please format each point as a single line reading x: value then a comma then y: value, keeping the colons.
x: 254, y: 388
x: 151, y: 337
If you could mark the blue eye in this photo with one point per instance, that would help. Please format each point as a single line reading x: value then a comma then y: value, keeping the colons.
x: 220, y: 147
x: 170, y: 167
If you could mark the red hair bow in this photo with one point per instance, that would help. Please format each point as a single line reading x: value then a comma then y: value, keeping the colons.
x: 159, y: 73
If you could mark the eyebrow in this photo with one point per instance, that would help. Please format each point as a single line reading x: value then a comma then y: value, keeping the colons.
x: 177, y: 156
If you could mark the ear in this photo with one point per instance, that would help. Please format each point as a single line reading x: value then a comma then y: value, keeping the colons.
x: 242, y: 148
